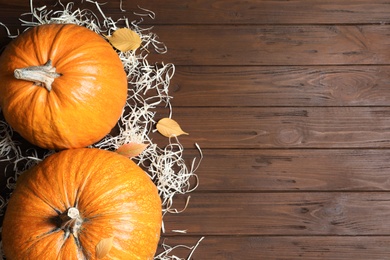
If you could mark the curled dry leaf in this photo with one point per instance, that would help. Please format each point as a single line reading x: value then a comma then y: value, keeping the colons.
x: 131, y: 149
x: 169, y: 128
x: 125, y: 39
x: 103, y: 247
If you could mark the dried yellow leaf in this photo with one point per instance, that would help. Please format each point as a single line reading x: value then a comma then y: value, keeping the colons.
x: 131, y: 149
x: 103, y: 247
x: 169, y: 128
x: 125, y: 39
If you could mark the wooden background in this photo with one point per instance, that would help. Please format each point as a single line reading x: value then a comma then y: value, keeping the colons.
x: 289, y: 101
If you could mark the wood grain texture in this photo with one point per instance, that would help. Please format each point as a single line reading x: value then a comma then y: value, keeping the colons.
x: 267, y: 11
x: 267, y: 170
x: 299, y: 213
x: 293, y: 86
x: 276, y: 44
x: 290, y: 104
x: 292, y: 127
x: 285, y: 247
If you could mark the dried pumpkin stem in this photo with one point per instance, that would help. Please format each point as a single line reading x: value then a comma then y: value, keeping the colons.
x: 71, y: 221
x: 41, y: 75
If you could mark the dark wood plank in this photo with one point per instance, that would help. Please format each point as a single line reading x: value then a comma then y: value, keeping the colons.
x: 266, y: 11
x: 301, y: 213
x: 281, y: 86
x: 281, y: 247
x: 292, y: 170
x: 308, y: 127
x: 275, y: 45
x: 241, y: 12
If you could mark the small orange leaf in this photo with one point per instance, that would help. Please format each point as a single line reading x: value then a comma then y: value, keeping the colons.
x: 125, y: 39
x: 103, y: 247
x: 131, y: 149
x: 169, y: 128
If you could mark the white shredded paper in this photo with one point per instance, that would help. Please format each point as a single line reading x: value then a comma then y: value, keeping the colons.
x: 148, y: 88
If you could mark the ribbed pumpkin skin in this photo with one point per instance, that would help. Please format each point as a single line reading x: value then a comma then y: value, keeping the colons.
x: 115, y: 198
x: 85, y: 102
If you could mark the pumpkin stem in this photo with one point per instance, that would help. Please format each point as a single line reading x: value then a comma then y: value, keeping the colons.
x: 41, y: 75
x: 71, y: 221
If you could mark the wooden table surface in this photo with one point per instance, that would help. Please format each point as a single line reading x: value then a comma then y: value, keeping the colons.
x: 289, y: 102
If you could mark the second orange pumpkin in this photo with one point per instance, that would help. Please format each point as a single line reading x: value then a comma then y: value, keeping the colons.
x: 83, y: 204
x: 61, y: 86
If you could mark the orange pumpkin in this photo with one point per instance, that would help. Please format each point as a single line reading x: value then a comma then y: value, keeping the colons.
x: 61, y: 86
x: 83, y: 203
